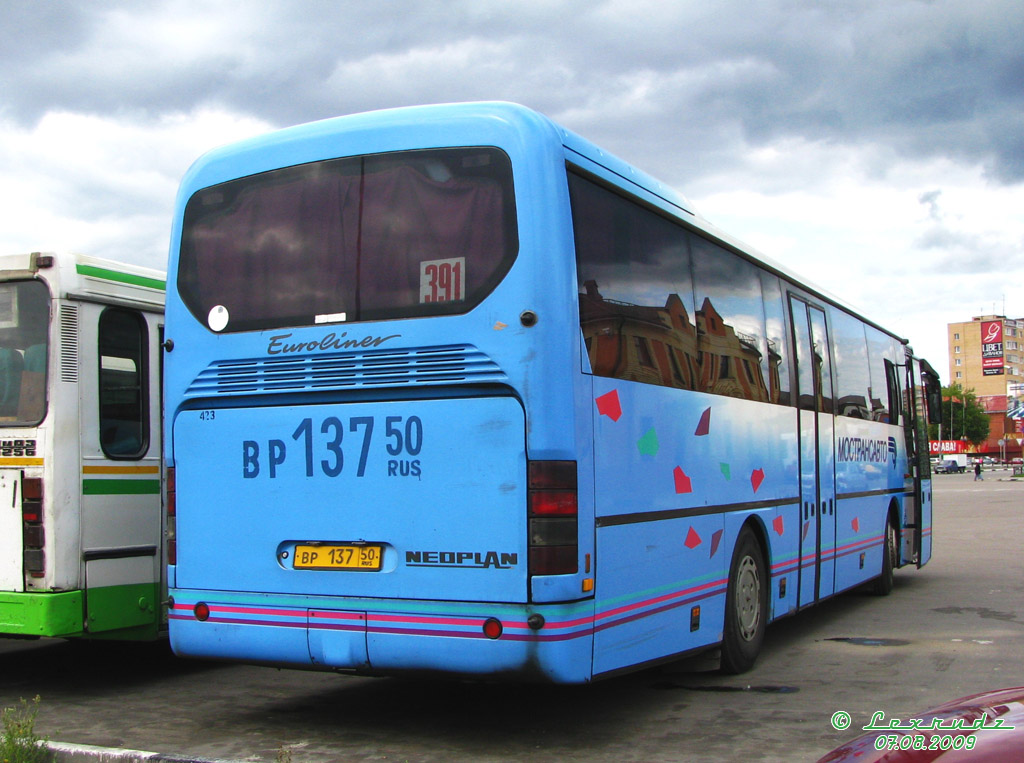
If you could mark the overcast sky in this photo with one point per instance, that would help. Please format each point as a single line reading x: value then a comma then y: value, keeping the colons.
x: 876, y: 148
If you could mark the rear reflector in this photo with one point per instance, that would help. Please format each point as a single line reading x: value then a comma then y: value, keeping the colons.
x: 561, y: 502
x: 553, y: 560
x: 553, y: 509
x: 559, y: 475
x: 171, y: 510
x: 32, y: 534
x: 493, y: 628
x: 553, y: 531
x: 172, y: 493
x: 32, y: 499
x: 32, y: 488
x: 35, y: 562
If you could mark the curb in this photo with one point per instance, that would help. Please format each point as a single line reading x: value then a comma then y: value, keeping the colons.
x: 85, y: 753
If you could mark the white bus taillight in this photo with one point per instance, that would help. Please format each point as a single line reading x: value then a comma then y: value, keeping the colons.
x: 553, y: 508
x: 33, y: 537
x: 172, y: 511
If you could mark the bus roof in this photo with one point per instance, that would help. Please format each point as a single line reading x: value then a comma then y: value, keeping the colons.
x: 681, y: 206
x: 282, y: 148
x: 80, y: 276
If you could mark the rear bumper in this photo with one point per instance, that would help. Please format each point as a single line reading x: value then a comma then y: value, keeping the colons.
x: 388, y: 637
x: 42, y: 614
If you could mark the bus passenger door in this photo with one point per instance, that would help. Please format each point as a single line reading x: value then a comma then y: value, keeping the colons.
x: 817, y: 459
x: 120, y: 450
x: 923, y: 396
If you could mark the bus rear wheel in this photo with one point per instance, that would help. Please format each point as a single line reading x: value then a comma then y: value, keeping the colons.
x: 746, y: 606
x: 884, y: 582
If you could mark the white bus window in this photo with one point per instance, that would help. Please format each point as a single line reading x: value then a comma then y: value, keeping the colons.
x: 24, y: 326
x: 123, y: 404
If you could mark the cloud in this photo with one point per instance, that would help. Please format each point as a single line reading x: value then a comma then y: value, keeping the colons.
x: 103, y: 185
x: 926, y: 78
x: 875, y: 146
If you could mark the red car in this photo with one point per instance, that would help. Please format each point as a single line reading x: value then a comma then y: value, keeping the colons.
x: 981, y: 727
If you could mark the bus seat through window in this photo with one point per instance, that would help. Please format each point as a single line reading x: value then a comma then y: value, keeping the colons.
x: 11, y: 367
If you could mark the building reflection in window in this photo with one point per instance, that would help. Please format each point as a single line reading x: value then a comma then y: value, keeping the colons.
x: 637, y: 295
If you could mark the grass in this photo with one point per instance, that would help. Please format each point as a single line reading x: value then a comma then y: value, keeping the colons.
x: 19, y: 742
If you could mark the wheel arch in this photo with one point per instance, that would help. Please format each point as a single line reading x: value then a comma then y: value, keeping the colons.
x: 894, y: 514
x: 756, y: 523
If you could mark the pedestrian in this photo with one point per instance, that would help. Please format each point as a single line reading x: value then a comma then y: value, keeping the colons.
x: 977, y: 472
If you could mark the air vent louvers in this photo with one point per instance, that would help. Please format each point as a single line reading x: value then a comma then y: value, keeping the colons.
x: 414, y: 367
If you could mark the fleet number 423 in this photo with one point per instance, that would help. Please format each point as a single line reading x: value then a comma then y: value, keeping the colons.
x: 320, y: 447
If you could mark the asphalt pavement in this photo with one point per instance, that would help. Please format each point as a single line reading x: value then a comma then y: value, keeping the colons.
x: 953, y: 628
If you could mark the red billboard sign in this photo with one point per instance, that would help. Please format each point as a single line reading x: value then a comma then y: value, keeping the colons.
x: 993, y: 403
x: 946, y: 447
x: 991, y: 331
x: 991, y: 348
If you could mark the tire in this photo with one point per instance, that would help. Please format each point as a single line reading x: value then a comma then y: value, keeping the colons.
x: 883, y: 584
x: 746, y: 606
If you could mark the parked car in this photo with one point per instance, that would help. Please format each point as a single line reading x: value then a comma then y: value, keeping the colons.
x: 981, y: 727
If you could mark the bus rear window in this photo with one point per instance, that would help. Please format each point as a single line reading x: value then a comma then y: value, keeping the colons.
x: 24, y: 327
x: 395, y: 235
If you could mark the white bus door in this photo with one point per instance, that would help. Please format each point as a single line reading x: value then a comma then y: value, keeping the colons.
x: 121, y: 508
x: 12, y: 576
x: 817, y: 460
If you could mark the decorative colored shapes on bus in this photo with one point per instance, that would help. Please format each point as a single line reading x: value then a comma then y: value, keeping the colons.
x: 726, y: 470
x: 855, y: 524
x: 807, y: 526
x: 692, y: 539
x: 756, y: 478
x: 704, y: 425
x: 778, y: 525
x: 682, y: 481
x: 716, y: 539
x: 608, y: 405
x: 648, y: 444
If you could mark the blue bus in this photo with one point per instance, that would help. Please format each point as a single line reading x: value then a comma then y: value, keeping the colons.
x: 451, y: 390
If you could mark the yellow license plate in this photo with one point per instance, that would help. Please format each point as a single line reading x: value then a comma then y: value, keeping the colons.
x: 338, y: 557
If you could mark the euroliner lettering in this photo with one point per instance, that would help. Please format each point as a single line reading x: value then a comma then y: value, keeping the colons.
x: 332, y: 341
x: 476, y: 559
x: 871, y: 451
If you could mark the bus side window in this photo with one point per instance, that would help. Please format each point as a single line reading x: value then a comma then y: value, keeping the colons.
x: 852, y: 368
x: 776, y: 334
x: 880, y: 351
x: 635, y: 289
x: 122, y: 384
x: 11, y: 367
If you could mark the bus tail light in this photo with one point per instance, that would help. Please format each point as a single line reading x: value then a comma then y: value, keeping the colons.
x: 553, y: 509
x: 172, y: 513
x: 33, y: 535
x: 493, y: 628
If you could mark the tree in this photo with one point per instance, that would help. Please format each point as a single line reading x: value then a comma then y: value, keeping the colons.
x: 963, y: 418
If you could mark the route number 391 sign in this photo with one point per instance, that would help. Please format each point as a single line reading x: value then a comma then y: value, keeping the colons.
x: 442, y: 280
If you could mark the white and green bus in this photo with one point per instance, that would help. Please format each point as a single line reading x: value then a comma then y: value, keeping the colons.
x: 81, y: 528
